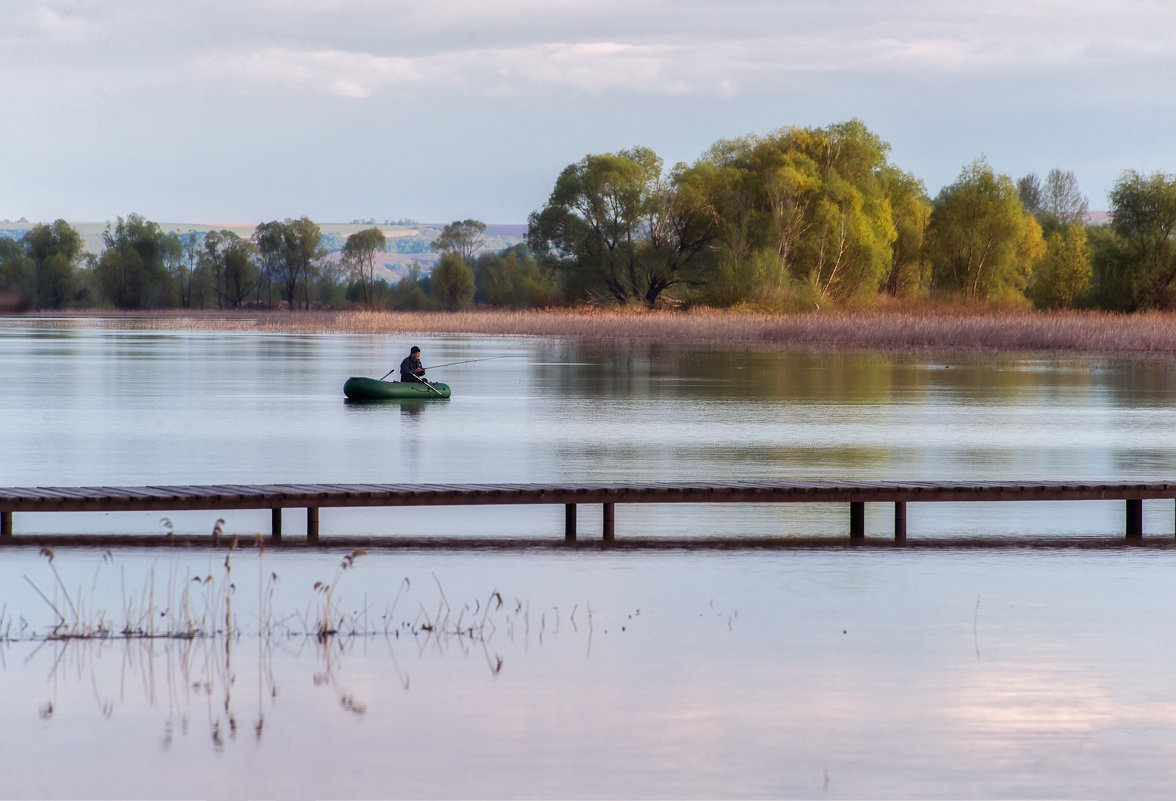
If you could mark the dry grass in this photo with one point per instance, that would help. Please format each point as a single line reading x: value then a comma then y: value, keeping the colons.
x: 916, y: 329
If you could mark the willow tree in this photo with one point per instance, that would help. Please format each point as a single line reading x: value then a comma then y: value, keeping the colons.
x: 1143, y: 216
x: 807, y: 205
x: 982, y: 243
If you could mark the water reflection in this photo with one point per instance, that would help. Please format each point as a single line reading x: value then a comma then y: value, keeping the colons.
x: 201, y: 640
x: 850, y: 673
x: 103, y: 406
x: 223, y: 687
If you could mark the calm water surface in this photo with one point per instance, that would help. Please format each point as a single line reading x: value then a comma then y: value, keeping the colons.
x: 958, y: 673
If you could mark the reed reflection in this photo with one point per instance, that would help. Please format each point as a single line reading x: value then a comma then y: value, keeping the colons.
x: 189, y: 645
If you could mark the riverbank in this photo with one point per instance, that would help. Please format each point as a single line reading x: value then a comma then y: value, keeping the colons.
x: 1151, y: 334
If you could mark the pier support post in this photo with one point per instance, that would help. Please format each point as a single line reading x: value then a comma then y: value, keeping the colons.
x: 857, y: 520
x: 312, y: 525
x: 1134, y: 519
x: 569, y: 522
x: 276, y: 524
x: 6, y: 525
x: 609, y: 522
x: 900, y: 521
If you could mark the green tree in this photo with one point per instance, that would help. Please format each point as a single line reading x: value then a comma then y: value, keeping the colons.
x: 330, y: 289
x: 452, y: 283
x: 1113, y: 287
x: 55, y: 250
x: 981, y: 241
x: 268, y: 238
x: 18, y: 274
x: 735, y: 270
x: 787, y: 182
x: 410, y: 293
x: 57, y: 282
x: 591, y: 222
x: 230, y: 261
x: 359, y: 259
x: 295, y: 250
x: 173, y: 261
x: 910, y: 271
x: 514, y: 279
x: 1143, y: 215
x: 462, y: 238
x: 1064, y: 273
x: 849, y: 247
x: 615, y: 225
x: 812, y: 211
x: 680, y: 226
x: 130, y: 272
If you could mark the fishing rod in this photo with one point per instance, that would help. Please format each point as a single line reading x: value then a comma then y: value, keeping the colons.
x: 448, y: 364
x: 467, y: 361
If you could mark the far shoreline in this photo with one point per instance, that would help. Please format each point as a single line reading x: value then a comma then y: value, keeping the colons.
x: 1149, y: 335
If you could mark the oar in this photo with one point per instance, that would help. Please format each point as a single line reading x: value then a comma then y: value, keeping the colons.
x: 432, y: 388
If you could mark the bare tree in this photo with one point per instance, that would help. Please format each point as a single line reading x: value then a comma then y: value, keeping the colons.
x: 1063, y: 199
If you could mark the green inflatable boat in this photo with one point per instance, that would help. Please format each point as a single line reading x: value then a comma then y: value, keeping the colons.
x: 359, y: 388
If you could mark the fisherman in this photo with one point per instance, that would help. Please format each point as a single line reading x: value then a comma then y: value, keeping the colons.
x: 411, y: 369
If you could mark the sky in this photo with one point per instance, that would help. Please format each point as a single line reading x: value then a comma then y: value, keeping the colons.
x: 251, y: 110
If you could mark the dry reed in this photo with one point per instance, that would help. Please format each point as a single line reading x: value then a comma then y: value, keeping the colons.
x: 915, y: 329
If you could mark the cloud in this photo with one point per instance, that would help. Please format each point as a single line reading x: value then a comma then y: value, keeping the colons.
x: 590, y: 67
x: 333, y: 72
x: 220, y: 79
x: 361, y: 49
x: 688, y: 48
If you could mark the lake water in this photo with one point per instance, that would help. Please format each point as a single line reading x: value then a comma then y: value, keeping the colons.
x: 951, y: 672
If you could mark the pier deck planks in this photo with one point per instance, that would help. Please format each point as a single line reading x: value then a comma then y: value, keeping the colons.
x: 312, y: 497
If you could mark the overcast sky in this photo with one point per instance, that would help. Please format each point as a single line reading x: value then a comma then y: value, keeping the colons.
x: 249, y: 110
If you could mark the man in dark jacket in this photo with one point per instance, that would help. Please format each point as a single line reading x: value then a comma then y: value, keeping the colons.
x: 411, y: 368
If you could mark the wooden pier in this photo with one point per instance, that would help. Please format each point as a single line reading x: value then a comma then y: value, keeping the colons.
x: 313, y: 497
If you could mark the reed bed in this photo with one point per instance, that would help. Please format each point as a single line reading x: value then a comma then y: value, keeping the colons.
x: 181, y: 644
x: 916, y: 329
x: 176, y: 605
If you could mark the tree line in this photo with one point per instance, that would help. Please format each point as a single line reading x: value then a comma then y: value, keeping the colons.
x: 797, y: 219
x: 805, y: 217
x: 283, y: 264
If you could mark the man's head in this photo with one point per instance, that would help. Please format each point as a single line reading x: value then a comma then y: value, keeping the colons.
x: 415, y: 351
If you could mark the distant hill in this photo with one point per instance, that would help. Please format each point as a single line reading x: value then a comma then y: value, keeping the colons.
x: 407, y: 242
